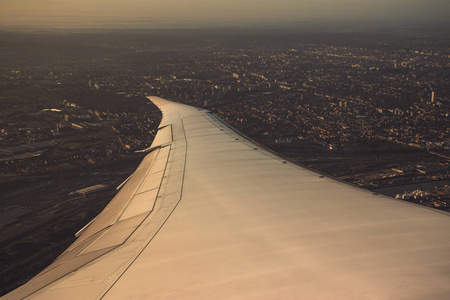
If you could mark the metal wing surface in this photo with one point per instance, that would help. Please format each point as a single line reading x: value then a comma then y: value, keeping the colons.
x: 210, y: 215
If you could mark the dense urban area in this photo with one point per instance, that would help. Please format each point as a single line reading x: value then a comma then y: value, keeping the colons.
x: 368, y: 108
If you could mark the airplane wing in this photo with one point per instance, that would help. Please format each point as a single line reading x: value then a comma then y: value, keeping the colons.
x: 211, y: 215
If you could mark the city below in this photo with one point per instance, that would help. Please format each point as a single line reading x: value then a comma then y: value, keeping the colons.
x: 370, y: 109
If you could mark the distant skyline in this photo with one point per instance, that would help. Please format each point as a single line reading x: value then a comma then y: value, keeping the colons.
x: 201, y: 13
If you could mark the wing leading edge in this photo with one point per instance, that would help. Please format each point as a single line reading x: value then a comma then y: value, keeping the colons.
x: 209, y: 214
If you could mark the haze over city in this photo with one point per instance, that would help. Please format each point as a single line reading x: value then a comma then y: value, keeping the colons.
x: 201, y: 13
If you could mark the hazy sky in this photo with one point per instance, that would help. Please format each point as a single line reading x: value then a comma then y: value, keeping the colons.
x: 61, y: 12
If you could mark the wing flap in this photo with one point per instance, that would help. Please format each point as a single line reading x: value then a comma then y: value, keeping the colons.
x: 117, y: 222
x: 117, y: 234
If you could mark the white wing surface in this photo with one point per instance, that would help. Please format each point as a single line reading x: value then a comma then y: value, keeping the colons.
x: 210, y: 215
